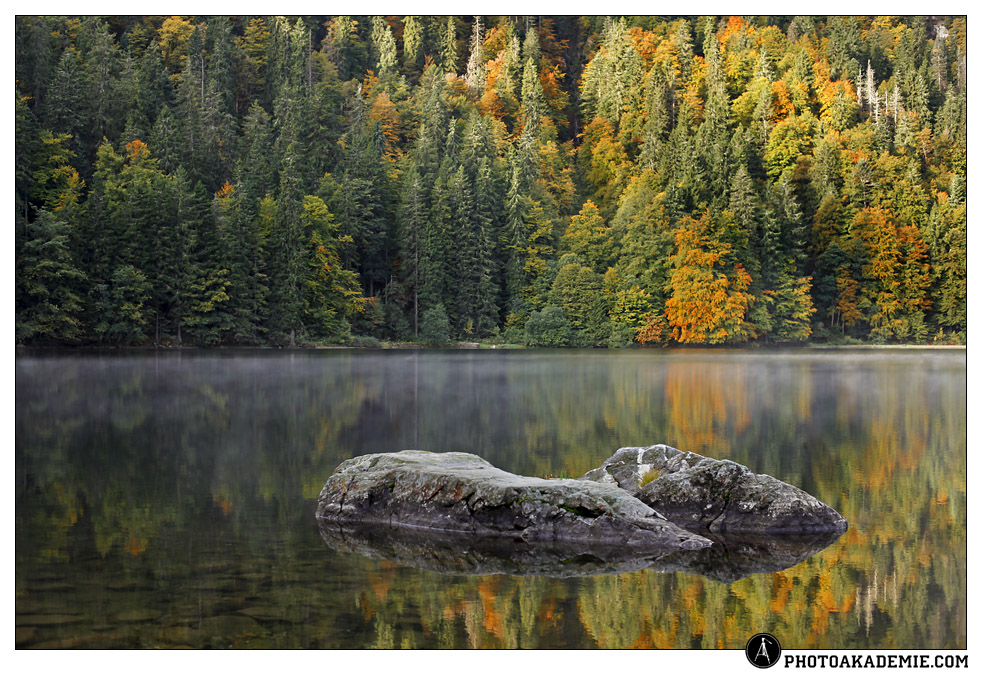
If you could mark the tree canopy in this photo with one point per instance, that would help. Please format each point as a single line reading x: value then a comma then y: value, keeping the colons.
x: 273, y: 180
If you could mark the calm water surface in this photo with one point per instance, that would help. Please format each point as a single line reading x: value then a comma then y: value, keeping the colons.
x: 166, y: 500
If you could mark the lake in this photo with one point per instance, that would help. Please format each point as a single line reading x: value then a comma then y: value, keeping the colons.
x: 167, y: 499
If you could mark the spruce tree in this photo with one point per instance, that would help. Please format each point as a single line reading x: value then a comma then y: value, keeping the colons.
x: 448, y: 46
x: 48, y: 300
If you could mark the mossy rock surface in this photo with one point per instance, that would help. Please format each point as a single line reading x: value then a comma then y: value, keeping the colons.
x: 697, y: 492
x: 463, y: 493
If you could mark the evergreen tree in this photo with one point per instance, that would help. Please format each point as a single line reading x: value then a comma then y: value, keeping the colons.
x: 448, y: 46
x: 412, y: 222
x: 578, y: 290
x: 365, y: 204
x: 726, y: 178
x: 67, y: 100
x: 121, y: 307
x: 713, y: 136
x: 412, y: 43
x: 155, y: 88
x: 245, y: 244
x: 48, y: 282
x: 287, y: 266
x: 102, y: 68
x: 475, y: 75
x: 207, y: 312
x: 384, y: 47
x: 612, y: 81
x: 435, y: 327
x: 36, y: 58
x: 331, y: 293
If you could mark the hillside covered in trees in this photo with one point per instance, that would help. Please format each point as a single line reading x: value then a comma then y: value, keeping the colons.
x: 553, y: 181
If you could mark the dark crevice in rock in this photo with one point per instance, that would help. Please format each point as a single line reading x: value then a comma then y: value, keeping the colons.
x: 711, y: 525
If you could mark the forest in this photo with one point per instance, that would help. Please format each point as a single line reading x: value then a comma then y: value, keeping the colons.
x: 546, y: 181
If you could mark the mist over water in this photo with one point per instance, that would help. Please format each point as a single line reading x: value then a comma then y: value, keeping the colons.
x: 166, y: 499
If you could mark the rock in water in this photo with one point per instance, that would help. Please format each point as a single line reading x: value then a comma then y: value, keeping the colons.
x: 698, y: 492
x: 460, y: 492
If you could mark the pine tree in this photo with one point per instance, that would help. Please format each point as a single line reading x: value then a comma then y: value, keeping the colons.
x: 121, y: 307
x: 205, y: 302
x: 67, y: 101
x: 48, y: 283
x: 612, y: 80
x: 476, y: 196
x: 331, y: 294
x: 843, y: 33
x: 712, y: 138
x: 815, y: 165
x: 412, y: 223
x: 256, y: 173
x: 448, y: 47
x: 221, y: 65
x: 154, y: 86
x: 36, y: 58
x: 364, y: 209
x: 412, y: 43
x: 475, y: 74
x: 287, y: 266
x: 237, y: 219
x: 254, y: 50
x: 344, y: 46
x: 102, y: 67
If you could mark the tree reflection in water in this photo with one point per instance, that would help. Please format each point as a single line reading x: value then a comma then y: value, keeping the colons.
x: 167, y: 499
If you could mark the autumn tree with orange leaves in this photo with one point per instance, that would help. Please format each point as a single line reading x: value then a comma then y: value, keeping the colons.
x: 709, y: 299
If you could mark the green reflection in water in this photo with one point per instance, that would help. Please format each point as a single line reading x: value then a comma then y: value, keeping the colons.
x: 167, y: 500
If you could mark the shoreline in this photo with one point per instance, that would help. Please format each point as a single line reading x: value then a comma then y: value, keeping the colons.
x: 468, y: 346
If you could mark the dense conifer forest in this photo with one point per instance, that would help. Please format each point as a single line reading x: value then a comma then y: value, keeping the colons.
x: 550, y: 181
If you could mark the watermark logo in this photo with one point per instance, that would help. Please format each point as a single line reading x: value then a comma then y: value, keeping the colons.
x: 763, y: 650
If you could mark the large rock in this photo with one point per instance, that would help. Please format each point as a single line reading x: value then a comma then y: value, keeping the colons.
x: 459, y: 492
x: 700, y: 493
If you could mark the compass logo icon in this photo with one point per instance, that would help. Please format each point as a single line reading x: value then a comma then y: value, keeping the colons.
x: 763, y: 650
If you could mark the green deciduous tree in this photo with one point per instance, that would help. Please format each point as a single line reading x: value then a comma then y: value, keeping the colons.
x: 589, y: 237
x: 548, y: 328
x: 434, y: 328
x: 578, y: 290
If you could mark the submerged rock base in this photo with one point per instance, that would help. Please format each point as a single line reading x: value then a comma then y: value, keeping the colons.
x: 470, y: 554
x: 729, y: 559
x: 463, y: 493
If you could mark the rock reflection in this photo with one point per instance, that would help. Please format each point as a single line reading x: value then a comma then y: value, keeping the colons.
x: 729, y: 559
x: 735, y: 556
